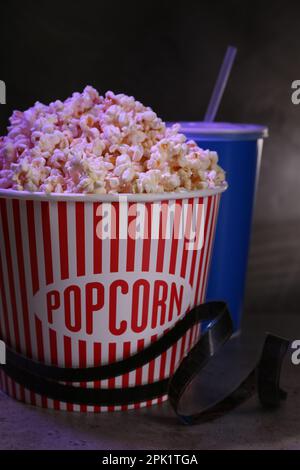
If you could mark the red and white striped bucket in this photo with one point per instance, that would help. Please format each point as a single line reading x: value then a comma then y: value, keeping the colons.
x: 76, y: 291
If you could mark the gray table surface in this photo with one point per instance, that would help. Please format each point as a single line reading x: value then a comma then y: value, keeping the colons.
x: 247, y: 427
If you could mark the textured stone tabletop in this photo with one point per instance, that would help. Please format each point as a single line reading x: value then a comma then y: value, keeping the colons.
x: 247, y: 427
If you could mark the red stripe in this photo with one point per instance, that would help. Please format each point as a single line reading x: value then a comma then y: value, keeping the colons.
x: 130, y: 240
x: 97, y: 362
x: 207, y: 249
x: 139, y: 371
x: 54, y: 358
x: 193, y: 263
x: 195, y: 252
x: 22, y: 278
x: 47, y: 242
x: 125, y: 377
x: 111, y: 359
x: 204, y: 247
x: 175, y: 236
x: 32, y: 246
x: 114, y: 243
x: 192, y: 270
x: 147, y: 238
x: 97, y: 242
x: 40, y: 349
x: 39, y: 339
x: 82, y: 363
x: 151, y: 369
x: 4, y: 305
x: 209, y: 246
x: 10, y: 273
x: 161, y: 240
x: 68, y: 361
x: 11, y: 389
x: 8, y: 386
x: 80, y: 238
x: 53, y: 347
x: 63, y: 239
x: 212, y: 233
x: 22, y: 393
x: 187, y: 233
x: 32, y: 398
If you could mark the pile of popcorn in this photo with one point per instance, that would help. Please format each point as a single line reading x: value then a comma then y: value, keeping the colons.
x: 96, y: 145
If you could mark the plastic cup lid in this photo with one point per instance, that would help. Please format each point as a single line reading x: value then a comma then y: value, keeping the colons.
x: 222, y: 130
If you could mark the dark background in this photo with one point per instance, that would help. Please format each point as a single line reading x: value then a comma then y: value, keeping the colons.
x: 167, y: 55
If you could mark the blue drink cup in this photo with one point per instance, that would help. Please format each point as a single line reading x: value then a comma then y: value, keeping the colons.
x: 239, y: 147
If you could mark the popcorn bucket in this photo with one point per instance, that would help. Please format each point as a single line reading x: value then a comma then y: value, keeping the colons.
x: 87, y: 280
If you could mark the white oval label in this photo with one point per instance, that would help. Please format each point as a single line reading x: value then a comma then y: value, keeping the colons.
x: 108, y: 306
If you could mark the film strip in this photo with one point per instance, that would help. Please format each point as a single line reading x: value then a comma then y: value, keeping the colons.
x: 263, y: 379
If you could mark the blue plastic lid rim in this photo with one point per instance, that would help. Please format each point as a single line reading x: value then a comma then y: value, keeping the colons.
x: 222, y: 130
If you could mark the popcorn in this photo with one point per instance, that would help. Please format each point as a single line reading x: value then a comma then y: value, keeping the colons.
x: 101, y: 144
x: 150, y: 182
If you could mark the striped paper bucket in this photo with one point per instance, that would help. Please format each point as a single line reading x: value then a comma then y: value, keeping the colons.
x: 88, y: 280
